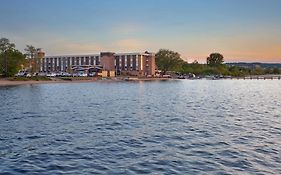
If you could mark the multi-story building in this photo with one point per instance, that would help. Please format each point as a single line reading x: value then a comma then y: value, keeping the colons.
x: 138, y: 64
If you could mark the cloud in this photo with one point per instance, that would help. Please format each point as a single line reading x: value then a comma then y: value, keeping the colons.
x: 190, y: 47
x: 126, y: 28
x: 71, y: 47
x: 130, y: 44
x: 65, y: 46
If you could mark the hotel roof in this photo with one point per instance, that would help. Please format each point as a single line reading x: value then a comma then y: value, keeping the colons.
x: 89, y: 55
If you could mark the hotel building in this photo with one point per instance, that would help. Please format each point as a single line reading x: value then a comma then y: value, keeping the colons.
x: 111, y: 64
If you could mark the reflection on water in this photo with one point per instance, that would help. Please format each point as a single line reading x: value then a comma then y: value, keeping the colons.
x: 173, y: 127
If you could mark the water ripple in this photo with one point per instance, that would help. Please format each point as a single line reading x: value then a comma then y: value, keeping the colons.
x: 182, y: 127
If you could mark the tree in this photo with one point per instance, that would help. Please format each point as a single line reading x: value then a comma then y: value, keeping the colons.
x: 276, y: 71
x: 32, y: 55
x: 14, y: 59
x: 10, y: 58
x: 167, y: 60
x: 195, y: 62
x: 215, y: 59
x: 258, y: 70
x: 5, y: 45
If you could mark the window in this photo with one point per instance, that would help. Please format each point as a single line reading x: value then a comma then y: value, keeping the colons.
x: 97, y: 60
x: 82, y: 61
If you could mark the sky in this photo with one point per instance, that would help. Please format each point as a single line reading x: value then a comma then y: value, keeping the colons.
x: 241, y: 30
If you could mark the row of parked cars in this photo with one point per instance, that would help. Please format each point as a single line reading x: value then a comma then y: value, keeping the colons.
x: 54, y: 74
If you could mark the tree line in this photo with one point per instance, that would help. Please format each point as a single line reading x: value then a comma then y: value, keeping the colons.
x: 168, y: 60
x: 12, y: 60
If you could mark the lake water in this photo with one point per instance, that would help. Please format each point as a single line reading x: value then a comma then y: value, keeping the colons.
x: 171, y: 127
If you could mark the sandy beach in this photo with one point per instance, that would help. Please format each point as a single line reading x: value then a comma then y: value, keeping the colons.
x: 5, y: 82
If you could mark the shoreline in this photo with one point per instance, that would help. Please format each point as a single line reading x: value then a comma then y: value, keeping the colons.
x: 5, y: 82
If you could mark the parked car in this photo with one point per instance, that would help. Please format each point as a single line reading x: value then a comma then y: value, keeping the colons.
x: 92, y: 74
x: 82, y: 74
x: 59, y: 74
x: 157, y: 75
x: 74, y: 74
x: 227, y: 77
x: 20, y: 74
x: 191, y: 76
x: 27, y: 75
x: 65, y: 74
x: 42, y: 74
x: 51, y: 74
x: 181, y: 77
x: 166, y: 76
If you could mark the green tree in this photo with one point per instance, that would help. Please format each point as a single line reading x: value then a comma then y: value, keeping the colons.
x: 258, y: 70
x: 15, y: 61
x: 167, y: 60
x: 276, y: 71
x: 11, y: 59
x: 5, y: 45
x: 34, y: 61
x: 195, y: 62
x: 215, y: 59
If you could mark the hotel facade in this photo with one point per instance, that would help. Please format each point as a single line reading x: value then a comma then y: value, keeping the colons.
x: 109, y: 63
